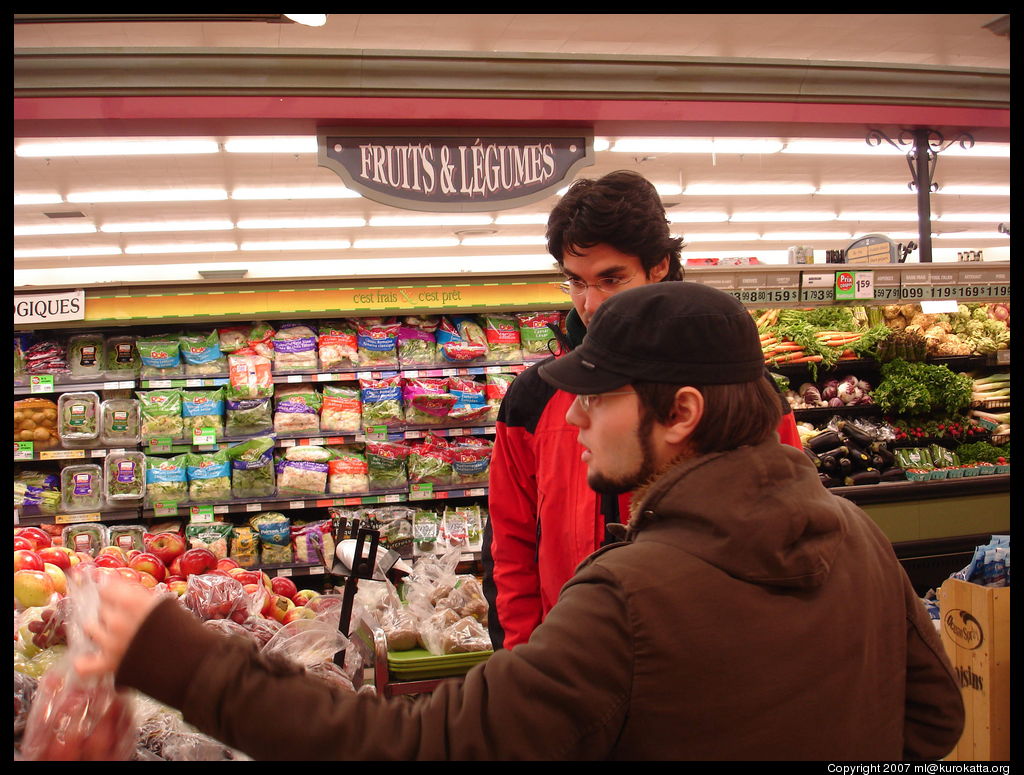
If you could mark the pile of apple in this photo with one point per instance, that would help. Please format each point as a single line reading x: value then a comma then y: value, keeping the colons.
x: 41, y: 568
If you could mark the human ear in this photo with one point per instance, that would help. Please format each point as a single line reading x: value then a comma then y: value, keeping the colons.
x: 686, y: 414
x: 659, y: 271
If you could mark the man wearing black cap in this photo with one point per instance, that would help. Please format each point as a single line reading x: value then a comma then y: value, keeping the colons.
x: 607, y: 235
x: 748, y: 614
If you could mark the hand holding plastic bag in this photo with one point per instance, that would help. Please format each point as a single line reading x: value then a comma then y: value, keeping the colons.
x: 77, y: 717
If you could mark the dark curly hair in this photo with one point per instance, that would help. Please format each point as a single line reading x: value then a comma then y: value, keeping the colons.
x: 623, y: 210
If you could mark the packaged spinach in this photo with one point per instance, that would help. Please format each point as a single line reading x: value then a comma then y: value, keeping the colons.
x: 166, y: 479
x: 201, y: 353
x: 417, y: 345
x: 122, y: 358
x: 85, y: 356
x: 81, y: 488
x: 209, y: 476
x: 119, y: 421
x: 252, y: 468
x: 385, y: 464
x: 248, y: 417
x: 202, y: 409
x: 124, y: 477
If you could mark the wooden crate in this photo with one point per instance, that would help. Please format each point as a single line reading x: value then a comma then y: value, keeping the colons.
x: 976, y: 634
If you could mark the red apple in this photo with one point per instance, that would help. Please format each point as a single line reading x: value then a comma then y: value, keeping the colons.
x: 148, y: 563
x: 280, y: 606
x: 22, y: 543
x: 27, y: 559
x: 36, y: 536
x: 303, y: 596
x: 219, y: 572
x: 109, y: 561
x: 197, y: 561
x: 266, y: 580
x: 133, y: 553
x: 179, y: 586
x: 226, y: 564
x: 57, y: 555
x: 129, y: 574
x: 299, y: 612
x: 284, y: 586
x: 175, y: 566
x: 169, y: 578
x: 147, y: 579
x: 33, y: 588
x: 166, y: 546
x: 247, y: 577
x: 60, y: 581
x: 82, y: 557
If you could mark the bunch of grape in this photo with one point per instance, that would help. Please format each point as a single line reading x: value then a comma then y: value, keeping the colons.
x: 49, y: 629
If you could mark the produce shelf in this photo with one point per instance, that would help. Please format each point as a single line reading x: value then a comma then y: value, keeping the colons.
x: 824, y: 413
x: 884, y: 492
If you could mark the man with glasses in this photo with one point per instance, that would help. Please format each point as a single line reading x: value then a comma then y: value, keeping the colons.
x: 607, y: 235
x: 749, y: 614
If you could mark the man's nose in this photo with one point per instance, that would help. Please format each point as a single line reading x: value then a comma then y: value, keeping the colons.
x: 575, y: 415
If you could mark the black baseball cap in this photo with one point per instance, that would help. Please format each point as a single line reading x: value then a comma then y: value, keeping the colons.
x: 672, y: 332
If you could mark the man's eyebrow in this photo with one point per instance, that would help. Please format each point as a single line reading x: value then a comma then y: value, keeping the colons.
x: 606, y: 272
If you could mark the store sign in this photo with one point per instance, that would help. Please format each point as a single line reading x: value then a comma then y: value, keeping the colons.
x: 455, y: 172
x: 49, y: 307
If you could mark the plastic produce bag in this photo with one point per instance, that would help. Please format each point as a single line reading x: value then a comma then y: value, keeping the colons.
x: 427, y: 400
x: 341, y: 410
x: 252, y: 468
x: 161, y: 414
x: 378, y: 343
x: 160, y: 356
x: 312, y: 644
x: 24, y: 692
x: 216, y: 597
x: 337, y: 344
x: 249, y: 417
x: 295, y: 347
x: 75, y: 718
x: 460, y: 338
x: 502, y: 333
x: 201, y: 353
x: 202, y: 409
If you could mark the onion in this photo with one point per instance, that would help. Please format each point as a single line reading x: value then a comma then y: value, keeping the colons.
x: 849, y: 379
x: 849, y: 392
x: 836, y: 402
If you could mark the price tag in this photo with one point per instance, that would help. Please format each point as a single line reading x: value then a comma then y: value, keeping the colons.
x: 817, y: 287
x: 102, y: 452
x: 422, y: 491
x: 393, y: 498
x: 64, y: 519
x: 160, y: 445
x: 377, y: 433
x: 23, y: 450
x: 253, y: 506
x: 159, y: 383
x: 204, y: 435
x: 40, y: 383
x: 476, y: 492
x: 201, y: 513
x: 291, y: 378
x: 854, y: 285
x: 916, y: 286
x: 61, y: 454
x: 411, y: 374
x: 285, y: 571
x: 315, y: 569
x: 165, y: 509
x: 352, y: 501
x: 17, y: 519
x: 296, y: 504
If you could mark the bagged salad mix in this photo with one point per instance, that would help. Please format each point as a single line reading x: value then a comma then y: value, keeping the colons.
x: 347, y: 472
x: 248, y: 417
x: 427, y: 400
x: 470, y: 399
x: 301, y: 477
x: 381, y: 401
x: 79, y: 419
x: 337, y: 344
x: 471, y: 460
x: 202, y: 409
x: 202, y: 354
x: 166, y: 479
x: 209, y: 476
x: 378, y: 342
x: 341, y: 409
x: 297, y: 409
x: 250, y: 376
x: 120, y: 421
x: 502, y: 334
x: 160, y: 355
x: 429, y: 461
x: 417, y: 345
x: 261, y: 340
x: 252, y: 468
x: 295, y: 347
x: 460, y: 338
x: 535, y: 333
x: 214, y: 536
x: 385, y: 462
x: 495, y: 388
x: 124, y: 476
x: 245, y: 545
x: 85, y: 356
x: 274, y: 531
x: 160, y: 412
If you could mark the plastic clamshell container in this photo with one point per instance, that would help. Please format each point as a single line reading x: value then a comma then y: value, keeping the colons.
x: 88, y: 537
x: 122, y: 358
x: 127, y: 537
x: 120, y: 422
x: 81, y: 488
x: 125, y: 468
x: 86, y: 357
x: 78, y: 419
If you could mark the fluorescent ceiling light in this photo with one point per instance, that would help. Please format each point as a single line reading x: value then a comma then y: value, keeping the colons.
x: 697, y: 217
x: 499, y: 241
x: 440, y: 242
x: 139, y: 227
x: 308, y: 19
x: 789, y: 216
x: 972, y: 235
x: 841, y: 148
x: 105, y: 250
x: 988, y: 150
x: 905, y: 235
x: 866, y: 189
x: 747, y: 189
x: 301, y: 223
x: 38, y: 199
x: 972, y: 217
x: 975, y: 190
x: 327, y: 244
x: 695, y: 145
x: 720, y: 237
x: 797, y: 236
x: 538, y: 219
x: 151, y: 195
x: 877, y: 216
x: 54, y: 228
x: 294, y: 192
x: 197, y: 247
x: 668, y: 189
x: 601, y: 144
x: 271, y: 145
x: 431, y: 220
x: 115, y: 148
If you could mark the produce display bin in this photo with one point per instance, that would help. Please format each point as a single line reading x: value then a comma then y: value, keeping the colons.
x: 976, y: 635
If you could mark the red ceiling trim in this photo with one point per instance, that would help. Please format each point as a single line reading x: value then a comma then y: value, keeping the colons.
x: 534, y: 111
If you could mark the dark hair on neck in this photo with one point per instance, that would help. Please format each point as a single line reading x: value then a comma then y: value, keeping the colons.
x: 623, y: 210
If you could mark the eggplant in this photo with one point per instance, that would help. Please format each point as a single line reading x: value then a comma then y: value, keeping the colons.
x: 824, y: 441
x: 845, y: 466
x: 867, y: 476
x: 877, y: 461
x: 829, y: 481
x: 813, y: 458
x: 829, y: 464
x: 894, y: 475
x: 854, y: 433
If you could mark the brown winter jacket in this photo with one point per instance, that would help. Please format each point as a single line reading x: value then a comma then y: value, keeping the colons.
x: 749, y: 615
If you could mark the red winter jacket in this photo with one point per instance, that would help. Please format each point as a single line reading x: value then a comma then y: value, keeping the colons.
x: 544, y: 518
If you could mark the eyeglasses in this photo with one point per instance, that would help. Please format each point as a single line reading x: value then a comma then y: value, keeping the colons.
x: 588, y: 401
x: 607, y: 285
